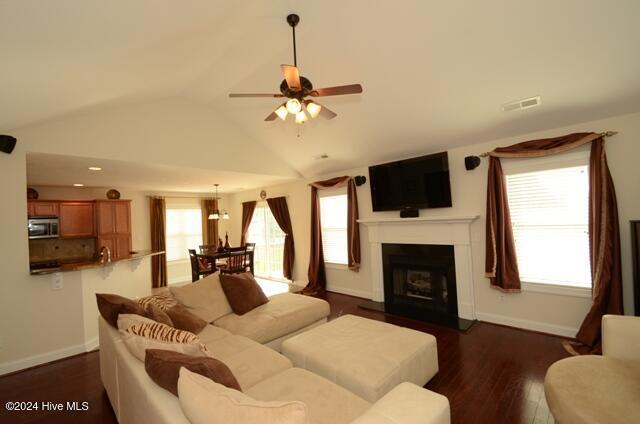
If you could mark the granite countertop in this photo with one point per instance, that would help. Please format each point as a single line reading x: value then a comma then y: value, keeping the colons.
x: 81, y: 264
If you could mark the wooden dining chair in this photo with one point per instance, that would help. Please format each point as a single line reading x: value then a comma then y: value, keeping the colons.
x: 200, y: 266
x: 208, y: 248
x: 236, y: 262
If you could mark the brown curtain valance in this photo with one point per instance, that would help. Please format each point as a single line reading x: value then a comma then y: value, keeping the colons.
x: 209, y: 226
x: 280, y: 211
x: 247, y: 213
x: 604, y: 233
x: 158, y: 242
x: 316, y: 273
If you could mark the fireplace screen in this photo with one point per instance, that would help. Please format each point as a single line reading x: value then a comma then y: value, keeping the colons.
x: 420, y: 281
x: 428, y: 285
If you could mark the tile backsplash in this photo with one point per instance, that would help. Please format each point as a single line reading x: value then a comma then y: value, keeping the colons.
x: 60, y: 249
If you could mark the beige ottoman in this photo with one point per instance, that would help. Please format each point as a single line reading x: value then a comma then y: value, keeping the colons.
x: 367, y: 357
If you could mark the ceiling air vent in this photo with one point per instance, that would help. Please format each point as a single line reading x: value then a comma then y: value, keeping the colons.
x: 521, y: 104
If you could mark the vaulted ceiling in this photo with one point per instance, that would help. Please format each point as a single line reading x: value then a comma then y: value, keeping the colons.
x: 434, y: 73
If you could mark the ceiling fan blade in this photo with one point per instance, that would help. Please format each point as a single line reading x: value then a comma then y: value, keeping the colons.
x: 271, y: 116
x: 232, y: 95
x: 337, y: 91
x: 292, y: 76
x: 325, y: 112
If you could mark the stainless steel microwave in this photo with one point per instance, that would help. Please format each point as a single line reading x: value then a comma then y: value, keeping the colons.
x: 43, y: 227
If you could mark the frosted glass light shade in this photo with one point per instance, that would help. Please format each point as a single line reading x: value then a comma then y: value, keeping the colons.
x: 301, y: 117
x: 313, y: 109
x: 282, y: 112
x: 294, y: 106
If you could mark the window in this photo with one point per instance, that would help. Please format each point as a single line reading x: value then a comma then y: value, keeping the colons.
x: 333, y: 217
x: 549, y: 214
x: 265, y: 232
x: 184, y: 228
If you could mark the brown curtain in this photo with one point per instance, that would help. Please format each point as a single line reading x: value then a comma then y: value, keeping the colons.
x: 316, y: 273
x: 604, y: 232
x: 280, y: 211
x: 158, y: 242
x: 501, y: 265
x: 209, y: 226
x: 604, y: 238
x: 247, y: 213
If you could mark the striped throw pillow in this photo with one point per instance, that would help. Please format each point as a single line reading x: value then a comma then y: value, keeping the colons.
x: 164, y: 301
x: 153, y: 335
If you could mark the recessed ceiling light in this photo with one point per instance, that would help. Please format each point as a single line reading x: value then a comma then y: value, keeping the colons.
x: 95, y: 168
x: 78, y: 185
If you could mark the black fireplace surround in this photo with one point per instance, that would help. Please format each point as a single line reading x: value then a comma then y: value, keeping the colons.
x: 420, y: 282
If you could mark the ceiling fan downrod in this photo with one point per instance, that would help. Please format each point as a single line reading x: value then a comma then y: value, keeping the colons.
x: 293, y: 20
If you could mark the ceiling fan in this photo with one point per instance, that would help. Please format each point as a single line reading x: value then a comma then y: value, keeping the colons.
x: 296, y: 88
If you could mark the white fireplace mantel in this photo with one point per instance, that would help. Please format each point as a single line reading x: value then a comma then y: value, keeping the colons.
x: 447, y: 230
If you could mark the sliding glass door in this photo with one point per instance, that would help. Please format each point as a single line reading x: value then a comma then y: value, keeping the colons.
x: 269, y: 239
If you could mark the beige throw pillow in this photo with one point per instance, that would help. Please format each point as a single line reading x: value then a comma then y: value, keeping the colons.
x: 204, y: 298
x: 204, y: 401
x: 139, y: 336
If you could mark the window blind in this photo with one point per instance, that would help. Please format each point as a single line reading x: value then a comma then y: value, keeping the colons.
x: 184, y: 231
x: 333, y: 217
x: 549, y: 214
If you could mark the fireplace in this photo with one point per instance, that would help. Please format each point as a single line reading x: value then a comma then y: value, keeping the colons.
x: 420, y: 282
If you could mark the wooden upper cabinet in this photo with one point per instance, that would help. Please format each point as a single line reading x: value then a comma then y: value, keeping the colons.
x: 122, y: 212
x: 39, y: 208
x: 113, y: 223
x: 77, y: 219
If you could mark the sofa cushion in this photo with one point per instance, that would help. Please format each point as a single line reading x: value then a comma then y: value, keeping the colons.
x: 211, y: 333
x: 250, y: 362
x: 283, y: 314
x: 140, y: 336
x: 184, y: 320
x: 112, y: 305
x: 202, y: 399
x: 242, y: 291
x: 204, y: 298
x: 327, y: 402
x: 154, y: 312
x: 163, y: 366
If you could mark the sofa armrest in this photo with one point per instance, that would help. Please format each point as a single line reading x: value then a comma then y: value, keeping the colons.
x: 621, y: 336
x: 408, y: 403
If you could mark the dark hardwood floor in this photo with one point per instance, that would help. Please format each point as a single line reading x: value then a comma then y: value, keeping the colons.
x: 491, y: 374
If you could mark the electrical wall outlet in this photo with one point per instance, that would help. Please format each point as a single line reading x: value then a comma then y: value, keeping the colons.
x: 56, y: 281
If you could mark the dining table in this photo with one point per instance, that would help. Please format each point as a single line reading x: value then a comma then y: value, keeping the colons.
x: 213, y: 255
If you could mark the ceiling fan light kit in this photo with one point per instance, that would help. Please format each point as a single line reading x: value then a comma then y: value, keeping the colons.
x: 296, y: 88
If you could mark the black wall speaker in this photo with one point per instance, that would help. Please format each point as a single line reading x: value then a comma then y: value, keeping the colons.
x: 471, y: 162
x: 7, y: 143
x: 359, y: 180
x: 409, y: 212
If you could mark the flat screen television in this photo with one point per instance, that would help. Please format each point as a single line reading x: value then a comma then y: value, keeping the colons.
x: 419, y: 183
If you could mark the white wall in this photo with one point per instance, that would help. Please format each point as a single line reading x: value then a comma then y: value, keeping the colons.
x: 37, y: 323
x: 539, y: 311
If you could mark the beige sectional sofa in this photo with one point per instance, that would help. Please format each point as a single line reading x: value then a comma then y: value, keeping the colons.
x: 248, y: 345
x: 264, y: 375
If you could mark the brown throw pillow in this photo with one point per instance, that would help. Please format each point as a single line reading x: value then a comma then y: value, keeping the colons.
x: 112, y: 305
x: 185, y: 320
x: 242, y: 291
x: 154, y: 312
x: 163, y: 366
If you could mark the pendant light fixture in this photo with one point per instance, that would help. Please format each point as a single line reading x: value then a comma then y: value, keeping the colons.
x: 216, y: 213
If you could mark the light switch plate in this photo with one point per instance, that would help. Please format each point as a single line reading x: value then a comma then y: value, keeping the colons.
x: 56, y: 281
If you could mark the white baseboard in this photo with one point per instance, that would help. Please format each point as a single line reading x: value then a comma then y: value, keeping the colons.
x: 543, y: 327
x: 350, y: 292
x: 92, y: 344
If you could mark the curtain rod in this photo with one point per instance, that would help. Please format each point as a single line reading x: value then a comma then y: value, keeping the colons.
x: 603, y: 134
x: 182, y: 197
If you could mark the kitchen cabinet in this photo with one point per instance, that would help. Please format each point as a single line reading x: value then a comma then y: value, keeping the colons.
x: 113, y: 225
x: 76, y: 219
x: 40, y: 208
